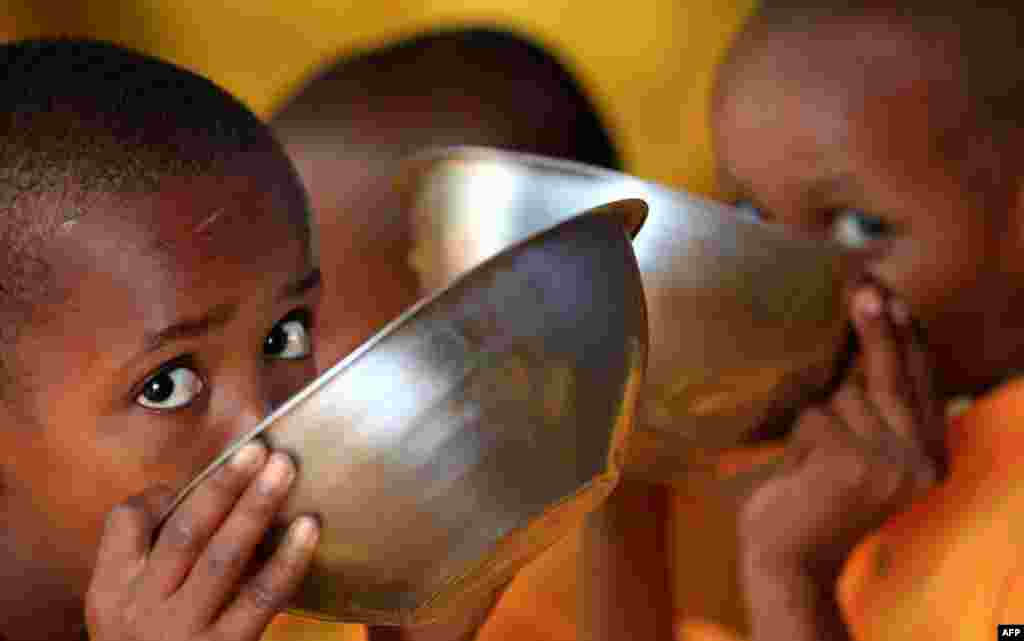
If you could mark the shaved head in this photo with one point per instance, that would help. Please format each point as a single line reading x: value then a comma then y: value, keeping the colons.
x: 466, y: 86
x: 348, y: 125
x: 850, y: 57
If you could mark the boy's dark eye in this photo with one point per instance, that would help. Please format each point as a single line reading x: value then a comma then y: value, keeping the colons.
x: 854, y: 228
x: 290, y: 338
x: 170, y: 389
x: 749, y: 209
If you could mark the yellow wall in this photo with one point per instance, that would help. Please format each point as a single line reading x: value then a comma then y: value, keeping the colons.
x: 648, y: 62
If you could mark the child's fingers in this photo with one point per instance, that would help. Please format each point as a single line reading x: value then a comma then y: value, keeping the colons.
x: 857, y: 412
x: 883, y: 362
x: 267, y: 593
x: 127, y: 536
x: 928, y: 407
x: 223, y: 563
x: 186, y: 532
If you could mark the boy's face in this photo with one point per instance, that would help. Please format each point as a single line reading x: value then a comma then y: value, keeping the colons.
x: 841, y: 132
x: 186, y: 319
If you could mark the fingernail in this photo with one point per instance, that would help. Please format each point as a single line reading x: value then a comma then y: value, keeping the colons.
x: 868, y: 304
x: 303, y: 533
x: 250, y: 453
x: 899, y: 312
x: 278, y: 472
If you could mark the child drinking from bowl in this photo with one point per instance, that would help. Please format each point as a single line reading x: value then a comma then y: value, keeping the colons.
x: 895, y: 130
x: 158, y: 283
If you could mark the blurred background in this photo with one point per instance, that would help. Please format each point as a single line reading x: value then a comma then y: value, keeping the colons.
x: 646, y: 63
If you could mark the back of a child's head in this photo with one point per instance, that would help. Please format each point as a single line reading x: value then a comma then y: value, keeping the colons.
x: 475, y: 85
x: 348, y: 125
x: 80, y: 118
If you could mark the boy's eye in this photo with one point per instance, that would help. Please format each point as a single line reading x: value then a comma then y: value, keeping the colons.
x: 748, y: 209
x: 290, y: 338
x: 171, y: 389
x: 853, y: 228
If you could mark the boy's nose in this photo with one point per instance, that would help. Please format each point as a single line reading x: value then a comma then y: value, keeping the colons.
x: 266, y: 390
x: 283, y: 379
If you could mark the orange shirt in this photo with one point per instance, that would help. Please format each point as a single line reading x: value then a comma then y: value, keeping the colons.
x: 951, y: 567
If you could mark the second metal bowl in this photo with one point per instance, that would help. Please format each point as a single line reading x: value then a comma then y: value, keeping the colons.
x: 747, y: 321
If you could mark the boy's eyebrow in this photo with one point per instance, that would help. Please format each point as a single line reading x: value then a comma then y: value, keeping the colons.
x: 301, y: 286
x: 190, y: 327
x: 221, y: 315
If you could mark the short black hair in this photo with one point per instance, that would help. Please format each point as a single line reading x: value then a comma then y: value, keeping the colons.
x: 80, y: 116
x: 525, y: 98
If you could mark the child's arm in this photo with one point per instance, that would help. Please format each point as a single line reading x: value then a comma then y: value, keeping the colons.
x: 624, y: 579
x: 851, y: 464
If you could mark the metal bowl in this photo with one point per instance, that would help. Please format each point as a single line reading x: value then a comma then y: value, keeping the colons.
x: 473, y: 431
x: 746, y: 319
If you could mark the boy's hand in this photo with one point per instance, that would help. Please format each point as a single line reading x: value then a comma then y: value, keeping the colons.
x: 193, y: 582
x: 852, y: 462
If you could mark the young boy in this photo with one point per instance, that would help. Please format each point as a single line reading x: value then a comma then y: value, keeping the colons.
x: 158, y: 282
x: 895, y: 130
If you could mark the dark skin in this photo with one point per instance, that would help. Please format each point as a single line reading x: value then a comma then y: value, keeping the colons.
x: 835, y: 134
x: 109, y: 419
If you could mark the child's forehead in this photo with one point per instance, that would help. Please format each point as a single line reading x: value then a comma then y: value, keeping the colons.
x: 840, y: 80
x: 852, y: 59
x: 796, y: 111
x: 180, y: 231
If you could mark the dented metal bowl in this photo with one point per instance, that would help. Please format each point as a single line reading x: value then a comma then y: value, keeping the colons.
x: 473, y: 431
x: 747, y: 320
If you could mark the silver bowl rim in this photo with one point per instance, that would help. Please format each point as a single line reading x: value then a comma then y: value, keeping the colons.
x: 414, y: 164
